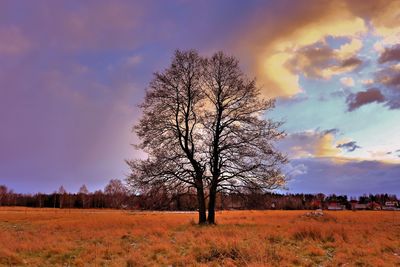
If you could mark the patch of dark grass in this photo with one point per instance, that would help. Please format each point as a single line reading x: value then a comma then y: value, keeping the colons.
x: 308, y: 233
x: 219, y: 254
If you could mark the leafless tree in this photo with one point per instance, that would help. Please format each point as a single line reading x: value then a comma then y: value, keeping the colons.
x: 98, y: 199
x: 63, y: 195
x: 39, y: 197
x: 116, y: 192
x: 204, y: 126
x: 3, y: 194
x: 83, y: 195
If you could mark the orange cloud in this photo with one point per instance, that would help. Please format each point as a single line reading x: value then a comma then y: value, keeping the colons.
x: 347, y: 81
x: 306, y: 27
x: 325, y: 146
x: 277, y: 39
x: 312, y: 144
x: 385, y: 21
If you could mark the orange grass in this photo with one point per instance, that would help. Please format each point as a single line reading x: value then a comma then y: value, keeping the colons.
x: 46, y: 237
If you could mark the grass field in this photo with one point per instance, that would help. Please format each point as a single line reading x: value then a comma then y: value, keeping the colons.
x: 46, y: 237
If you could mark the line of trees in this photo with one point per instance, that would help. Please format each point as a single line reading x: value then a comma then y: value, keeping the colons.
x: 117, y: 196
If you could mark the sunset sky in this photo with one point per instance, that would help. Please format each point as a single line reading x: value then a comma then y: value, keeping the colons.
x: 73, y: 72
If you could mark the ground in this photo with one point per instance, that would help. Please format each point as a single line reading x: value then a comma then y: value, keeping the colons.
x: 48, y: 237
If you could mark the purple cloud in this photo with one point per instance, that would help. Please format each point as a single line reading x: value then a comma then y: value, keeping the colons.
x: 359, y: 99
x: 13, y: 41
x: 72, y: 74
x: 389, y: 79
x: 351, y: 62
x: 311, y: 60
x: 390, y: 54
x: 352, y: 177
x: 349, y: 147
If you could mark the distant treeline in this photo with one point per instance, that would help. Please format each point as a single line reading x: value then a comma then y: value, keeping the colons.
x: 117, y: 196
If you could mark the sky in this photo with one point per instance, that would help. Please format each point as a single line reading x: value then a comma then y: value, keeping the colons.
x: 72, y: 74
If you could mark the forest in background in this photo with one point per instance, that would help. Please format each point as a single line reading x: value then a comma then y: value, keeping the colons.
x: 116, y: 195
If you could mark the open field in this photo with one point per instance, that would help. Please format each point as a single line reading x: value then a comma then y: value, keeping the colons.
x: 46, y: 237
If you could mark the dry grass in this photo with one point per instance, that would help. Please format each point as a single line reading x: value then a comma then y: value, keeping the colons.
x: 45, y: 237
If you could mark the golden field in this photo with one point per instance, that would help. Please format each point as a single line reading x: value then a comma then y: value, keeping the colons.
x: 48, y: 237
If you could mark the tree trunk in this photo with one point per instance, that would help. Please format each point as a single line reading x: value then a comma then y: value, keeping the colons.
x: 201, y: 202
x: 211, y: 205
x: 178, y: 201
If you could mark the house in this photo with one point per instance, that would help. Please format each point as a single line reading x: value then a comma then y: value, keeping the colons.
x: 353, y: 204
x: 358, y: 206
x: 335, y: 206
x: 391, y: 205
x: 316, y: 204
x: 374, y: 206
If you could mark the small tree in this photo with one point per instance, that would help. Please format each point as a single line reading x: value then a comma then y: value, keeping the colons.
x: 98, y: 199
x: 63, y: 196
x: 39, y: 197
x: 116, y: 192
x: 204, y: 126
x: 3, y: 194
x: 83, y: 195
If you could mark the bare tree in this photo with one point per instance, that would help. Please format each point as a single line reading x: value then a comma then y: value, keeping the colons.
x: 39, y: 197
x: 3, y: 194
x: 116, y: 192
x: 203, y: 126
x: 83, y: 194
x: 63, y: 195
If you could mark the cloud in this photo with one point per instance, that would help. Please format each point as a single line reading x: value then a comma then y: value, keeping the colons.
x: 278, y: 41
x: 349, y: 49
x: 102, y: 26
x: 347, y: 177
x: 347, y: 81
x: 296, y: 99
x: 330, y: 144
x: 80, y: 26
x: 394, y: 152
x: 79, y: 127
x: 312, y: 143
x: 13, y: 41
x: 285, y: 48
x: 351, y: 63
x: 393, y: 80
x: 295, y: 170
x: 367, y: 81
x: 394, y: 103
x: 390, y: 54
x: 325, y: 145
x: 359, y: 99
x: 349, y: 146
x: 133, y: 60
x: 388, y: 78
x: 320, y: 61
x: 384, y: 18
x: 312, y: 60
